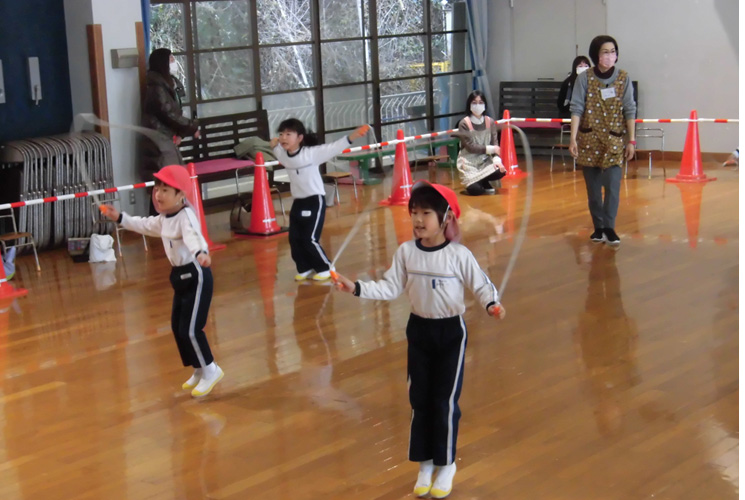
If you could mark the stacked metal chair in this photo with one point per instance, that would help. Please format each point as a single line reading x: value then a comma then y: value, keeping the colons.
x: 53, y: 166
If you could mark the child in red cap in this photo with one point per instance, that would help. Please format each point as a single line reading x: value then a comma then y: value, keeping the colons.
x: 433, y: 269
x: 191, y: 278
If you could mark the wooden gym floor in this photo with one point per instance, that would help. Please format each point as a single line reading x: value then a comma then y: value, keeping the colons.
x: 613, y: 376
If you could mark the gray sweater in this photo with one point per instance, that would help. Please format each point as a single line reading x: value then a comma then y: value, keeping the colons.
x: 579, y: 94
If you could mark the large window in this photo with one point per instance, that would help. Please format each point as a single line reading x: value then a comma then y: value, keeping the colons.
x: 334, y: 64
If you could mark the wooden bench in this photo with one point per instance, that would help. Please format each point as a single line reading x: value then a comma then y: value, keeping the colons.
x: 536, y: 100
x: 363, y: 159
x: 213, y: 152
x: 532, y: 100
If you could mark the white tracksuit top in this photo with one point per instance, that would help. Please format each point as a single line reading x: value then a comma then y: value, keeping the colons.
x: 180, y: 232
x: 434, y: 279
x: 303, y: 166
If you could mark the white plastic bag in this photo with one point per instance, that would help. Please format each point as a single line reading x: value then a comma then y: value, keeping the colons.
x: 102, y: 248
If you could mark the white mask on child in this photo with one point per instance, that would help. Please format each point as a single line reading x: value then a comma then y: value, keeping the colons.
x: 582, y: 69
x: 173, y: 68
x: 477, y: 109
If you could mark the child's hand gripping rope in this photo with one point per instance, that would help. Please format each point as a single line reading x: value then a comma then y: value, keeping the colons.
x: 360, y: 132
x: 496, y: 310
x: 109, y: 212
x: 341, y: 283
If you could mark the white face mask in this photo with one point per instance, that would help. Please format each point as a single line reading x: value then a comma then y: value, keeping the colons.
x: 173, y: 67
x: 608, y: 60
x: 477, y: 109
x: 582, y: 69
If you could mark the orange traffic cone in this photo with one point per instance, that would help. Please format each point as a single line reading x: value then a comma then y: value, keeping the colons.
x: 402, y: 224
x: 401, y: 187
x: 690, y: 164
x: 7, y: 291
x: 691, y: 194
x: 507, y: 150
x: 196, y: 197
x: 263, y: 220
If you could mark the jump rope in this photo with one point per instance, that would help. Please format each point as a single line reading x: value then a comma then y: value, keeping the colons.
x: 519, y: 239
x: 372, y: 205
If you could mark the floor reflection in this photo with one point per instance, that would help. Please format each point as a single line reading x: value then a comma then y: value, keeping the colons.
x: 606, y: 339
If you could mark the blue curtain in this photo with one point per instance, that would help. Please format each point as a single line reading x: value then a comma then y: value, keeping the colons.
x: 478, y: 34
x: 146, y: 24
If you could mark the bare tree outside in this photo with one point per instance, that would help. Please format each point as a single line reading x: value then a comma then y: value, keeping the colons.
x: 225, y: 52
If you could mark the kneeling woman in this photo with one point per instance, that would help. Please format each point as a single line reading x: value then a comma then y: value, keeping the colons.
x: 478, y: 160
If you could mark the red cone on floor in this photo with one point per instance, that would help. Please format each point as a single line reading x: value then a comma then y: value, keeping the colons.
x: 690, y: 165
x: 507, y: 150
x: 401, y: 186
x: 263, y: 220
x: 8, y: 291
x: 196, y: 199
x: 402, y: 224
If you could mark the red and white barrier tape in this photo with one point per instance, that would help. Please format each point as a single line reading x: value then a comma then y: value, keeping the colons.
x: 366, y: 147
x: 638, y: 120
x: 369, y: 147
x: 72, y: 196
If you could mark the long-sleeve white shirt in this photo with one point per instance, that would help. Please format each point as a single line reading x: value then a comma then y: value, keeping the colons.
x: 434, y: 279
x: 180, y: 232
x: 303, y: 166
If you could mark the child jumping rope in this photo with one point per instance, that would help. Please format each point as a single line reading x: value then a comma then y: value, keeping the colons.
x: 433, y: 270
x: 297, y: 150
x: 191, y: 278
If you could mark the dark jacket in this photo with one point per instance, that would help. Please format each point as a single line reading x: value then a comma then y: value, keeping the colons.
x: 565, y: 97
x: 161, y: 111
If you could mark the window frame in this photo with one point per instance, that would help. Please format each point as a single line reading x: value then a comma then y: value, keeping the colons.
x: 370, y: 42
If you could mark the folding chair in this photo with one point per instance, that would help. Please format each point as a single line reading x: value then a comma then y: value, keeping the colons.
x: 335, y: 176
x: 17, y: 237
x: 566, y: 128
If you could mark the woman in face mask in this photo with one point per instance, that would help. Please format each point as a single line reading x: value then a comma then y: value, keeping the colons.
x: 161, y: 111
x: 579, y: 66
x: 603, y: 118
x: 478, y: 160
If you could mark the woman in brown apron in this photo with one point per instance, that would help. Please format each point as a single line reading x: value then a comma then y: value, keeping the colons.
x: 603, y: 112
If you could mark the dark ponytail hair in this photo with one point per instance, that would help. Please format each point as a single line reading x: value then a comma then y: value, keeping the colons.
x: 160, y: 62
x: 295, y: 125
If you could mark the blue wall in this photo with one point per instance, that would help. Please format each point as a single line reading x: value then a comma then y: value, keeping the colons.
x: 34, y: 28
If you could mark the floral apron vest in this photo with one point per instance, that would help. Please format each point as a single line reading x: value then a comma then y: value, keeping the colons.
x: 602, y: 127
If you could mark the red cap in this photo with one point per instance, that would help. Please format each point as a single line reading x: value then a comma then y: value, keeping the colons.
x: 177, y: 177
x: 445, y: 192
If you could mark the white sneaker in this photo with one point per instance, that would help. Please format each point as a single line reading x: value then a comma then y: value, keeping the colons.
x: 303, y: 276
x: 207, y: 382
x: 424, y: 480
x: 193, y: 380
x: 444, y: 482
x: 322, y: 276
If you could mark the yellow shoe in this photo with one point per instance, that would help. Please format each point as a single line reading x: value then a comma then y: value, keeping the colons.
x: 423, y: 490
x: 444, y: 481
x: 424, y: 479
x: 303, y: 276
x: 206, y: 384
x: 322, y: 276
x: 193, y: 380
x: 437, y: 493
